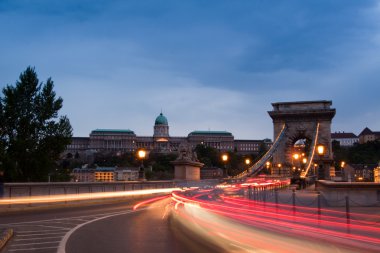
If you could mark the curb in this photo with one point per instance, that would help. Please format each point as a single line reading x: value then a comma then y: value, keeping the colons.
x: 59, y: 206
x: 5, y: 236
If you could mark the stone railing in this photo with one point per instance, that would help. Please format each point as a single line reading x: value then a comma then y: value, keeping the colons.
x: 20, y: 196
x: 12, y: 190
x: 359, y: 193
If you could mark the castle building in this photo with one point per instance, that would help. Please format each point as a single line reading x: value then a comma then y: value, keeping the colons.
x: 345, y: 139
x: 368, y: 135
x: 119, y: 140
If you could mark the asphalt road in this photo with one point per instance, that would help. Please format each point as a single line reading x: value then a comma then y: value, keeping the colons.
x: 99, y: 228
x: 145, y: 230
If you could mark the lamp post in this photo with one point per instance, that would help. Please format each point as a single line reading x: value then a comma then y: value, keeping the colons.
x: 342, y: 164
x: 295, y: 164
x: 314, y: 169
x: 279, y: 168
x: 225, y: 160
x: 321, y: 152
x: 247, y: 162
x: 141, y: 154
x: 267, y: 164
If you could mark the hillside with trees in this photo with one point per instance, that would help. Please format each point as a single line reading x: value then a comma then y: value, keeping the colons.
x: 367, y: 153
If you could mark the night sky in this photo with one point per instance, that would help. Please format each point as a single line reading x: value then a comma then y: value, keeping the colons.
x: 208, y: 65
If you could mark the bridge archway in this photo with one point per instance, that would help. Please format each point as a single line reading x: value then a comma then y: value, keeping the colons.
x: 309, y: 120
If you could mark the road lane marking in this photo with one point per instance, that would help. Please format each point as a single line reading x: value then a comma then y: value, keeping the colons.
x: 59, y: 219
x: 44, y: 238
x: 31, y: 249
x: 32, y: 231
x: 63, y: 222
x: 45, y: 226
x: 29, y: 230
x: 34, y: 243
x: 39, y: 231
x: 62, y: 244
x: 33, y: 234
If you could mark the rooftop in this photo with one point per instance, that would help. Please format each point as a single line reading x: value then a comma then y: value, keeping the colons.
x: 366, y: 131
x: 105, y: 169
x: 329, y: 102
x: 343, y: 135
x: 197, y: 132
x: 127, y: 131
x: 161, y: 120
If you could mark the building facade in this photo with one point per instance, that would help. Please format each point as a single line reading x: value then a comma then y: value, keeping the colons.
x: 104, y: 174
x: 119, y: 140
x: 345, y: 139
x: 112, y: 140
x: 100, y: 174
x: 363, y: 172
x: 376, y: 174
x: 220, y: 140
x: 368, y: 135
x: 251, y: 146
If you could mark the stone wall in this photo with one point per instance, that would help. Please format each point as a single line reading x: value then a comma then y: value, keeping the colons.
x: 359, y: 194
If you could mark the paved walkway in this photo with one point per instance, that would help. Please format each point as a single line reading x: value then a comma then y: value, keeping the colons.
x: 309, y: 198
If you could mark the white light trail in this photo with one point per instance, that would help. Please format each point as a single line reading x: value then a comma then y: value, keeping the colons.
x: 81, y: 196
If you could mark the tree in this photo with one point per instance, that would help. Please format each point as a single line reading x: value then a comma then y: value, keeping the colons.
x: 366, y: 153
x: 263, y: 148
x: 32, y: 133
x: 208, y: 155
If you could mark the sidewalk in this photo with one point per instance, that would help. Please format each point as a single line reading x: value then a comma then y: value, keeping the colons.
x: 309, y: 198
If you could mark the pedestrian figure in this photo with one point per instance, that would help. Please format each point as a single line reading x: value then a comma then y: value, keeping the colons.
x: 1, y: 183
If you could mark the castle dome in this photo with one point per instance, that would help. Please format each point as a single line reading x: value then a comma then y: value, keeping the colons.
x: 161, y: 120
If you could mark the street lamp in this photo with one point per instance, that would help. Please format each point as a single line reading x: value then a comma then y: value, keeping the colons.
x: 295, y: 164
x: 225, y: 160
x: 315, y: 168
x: 342, y: 171
x: 141, y: 154
x: 321, y: 152
x: 279, y: 165
x: 268, y: 167
x: 247, y: 162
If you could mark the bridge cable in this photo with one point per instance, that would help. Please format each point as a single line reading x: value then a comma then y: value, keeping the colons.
x: 257, y: 167
x: 311, y: 155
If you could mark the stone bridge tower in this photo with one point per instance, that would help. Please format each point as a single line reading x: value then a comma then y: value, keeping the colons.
x: 301, y: 119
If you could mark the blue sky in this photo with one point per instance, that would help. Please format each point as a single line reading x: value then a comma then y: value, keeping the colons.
x: 214, y: 65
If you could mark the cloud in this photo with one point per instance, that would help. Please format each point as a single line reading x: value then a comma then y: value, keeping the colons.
x: 213, y: 64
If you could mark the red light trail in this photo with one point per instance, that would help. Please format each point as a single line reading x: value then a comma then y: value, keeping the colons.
x: 241, y: 222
